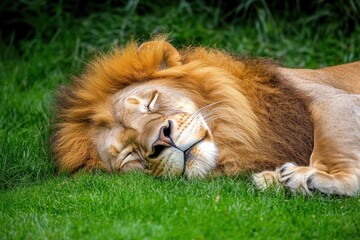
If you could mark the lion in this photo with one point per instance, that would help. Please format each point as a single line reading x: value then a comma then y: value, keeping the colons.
x: 200, y: 112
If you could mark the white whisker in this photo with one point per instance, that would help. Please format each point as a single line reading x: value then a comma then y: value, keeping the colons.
x: 204, y: 111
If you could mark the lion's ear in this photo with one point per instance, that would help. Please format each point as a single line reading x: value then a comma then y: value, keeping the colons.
x: 167, y: 54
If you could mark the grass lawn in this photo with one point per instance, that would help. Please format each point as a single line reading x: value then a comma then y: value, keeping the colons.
x: 36, y: 203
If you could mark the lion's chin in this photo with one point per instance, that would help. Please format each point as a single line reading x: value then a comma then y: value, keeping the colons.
x: 200, y: 160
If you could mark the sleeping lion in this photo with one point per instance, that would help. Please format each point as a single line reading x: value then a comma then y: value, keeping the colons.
x: 202, y: 112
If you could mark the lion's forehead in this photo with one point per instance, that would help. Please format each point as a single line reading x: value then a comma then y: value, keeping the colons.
x: 170, y: 100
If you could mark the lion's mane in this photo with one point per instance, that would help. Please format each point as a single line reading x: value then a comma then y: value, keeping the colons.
x: 256, y: 120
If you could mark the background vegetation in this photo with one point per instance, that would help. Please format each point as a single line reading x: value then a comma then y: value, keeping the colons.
x: 43, y: 43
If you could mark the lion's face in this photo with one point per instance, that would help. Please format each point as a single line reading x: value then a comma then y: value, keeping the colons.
x: 160, y: 129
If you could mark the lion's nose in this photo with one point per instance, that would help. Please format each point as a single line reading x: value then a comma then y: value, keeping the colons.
x: 164, y: 140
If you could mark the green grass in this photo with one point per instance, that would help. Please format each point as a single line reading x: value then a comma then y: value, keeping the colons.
x: 134, y: 206
x: 36, y: 203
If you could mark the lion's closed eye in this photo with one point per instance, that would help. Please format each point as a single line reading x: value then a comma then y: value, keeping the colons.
x: 129, y: 157
x: 133, y: 100
x: 130, y: 163
x: 126, y: 158
x: 143, y: 104
x: 153, y: 101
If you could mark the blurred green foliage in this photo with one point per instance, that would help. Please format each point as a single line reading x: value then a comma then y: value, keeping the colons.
x: 26, y: 19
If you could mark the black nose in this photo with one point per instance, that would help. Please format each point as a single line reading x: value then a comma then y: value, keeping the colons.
x: 164, y: 140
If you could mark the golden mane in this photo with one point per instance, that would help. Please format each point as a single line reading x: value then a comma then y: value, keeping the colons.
x: 255, y: 115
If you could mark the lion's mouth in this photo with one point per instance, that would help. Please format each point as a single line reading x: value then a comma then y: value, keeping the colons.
x: 188, y: 156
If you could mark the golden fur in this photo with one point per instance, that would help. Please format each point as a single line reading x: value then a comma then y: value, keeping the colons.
x: 260, y: 116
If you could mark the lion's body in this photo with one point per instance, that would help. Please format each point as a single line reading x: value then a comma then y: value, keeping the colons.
x: 258, y: 117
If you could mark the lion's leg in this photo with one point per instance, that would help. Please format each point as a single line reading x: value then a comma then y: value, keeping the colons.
x: 335, y: 162
x: 308, y: 179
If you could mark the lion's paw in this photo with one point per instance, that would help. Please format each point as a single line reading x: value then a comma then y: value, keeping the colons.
x: 266, y: 179
x: 296, y: 178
